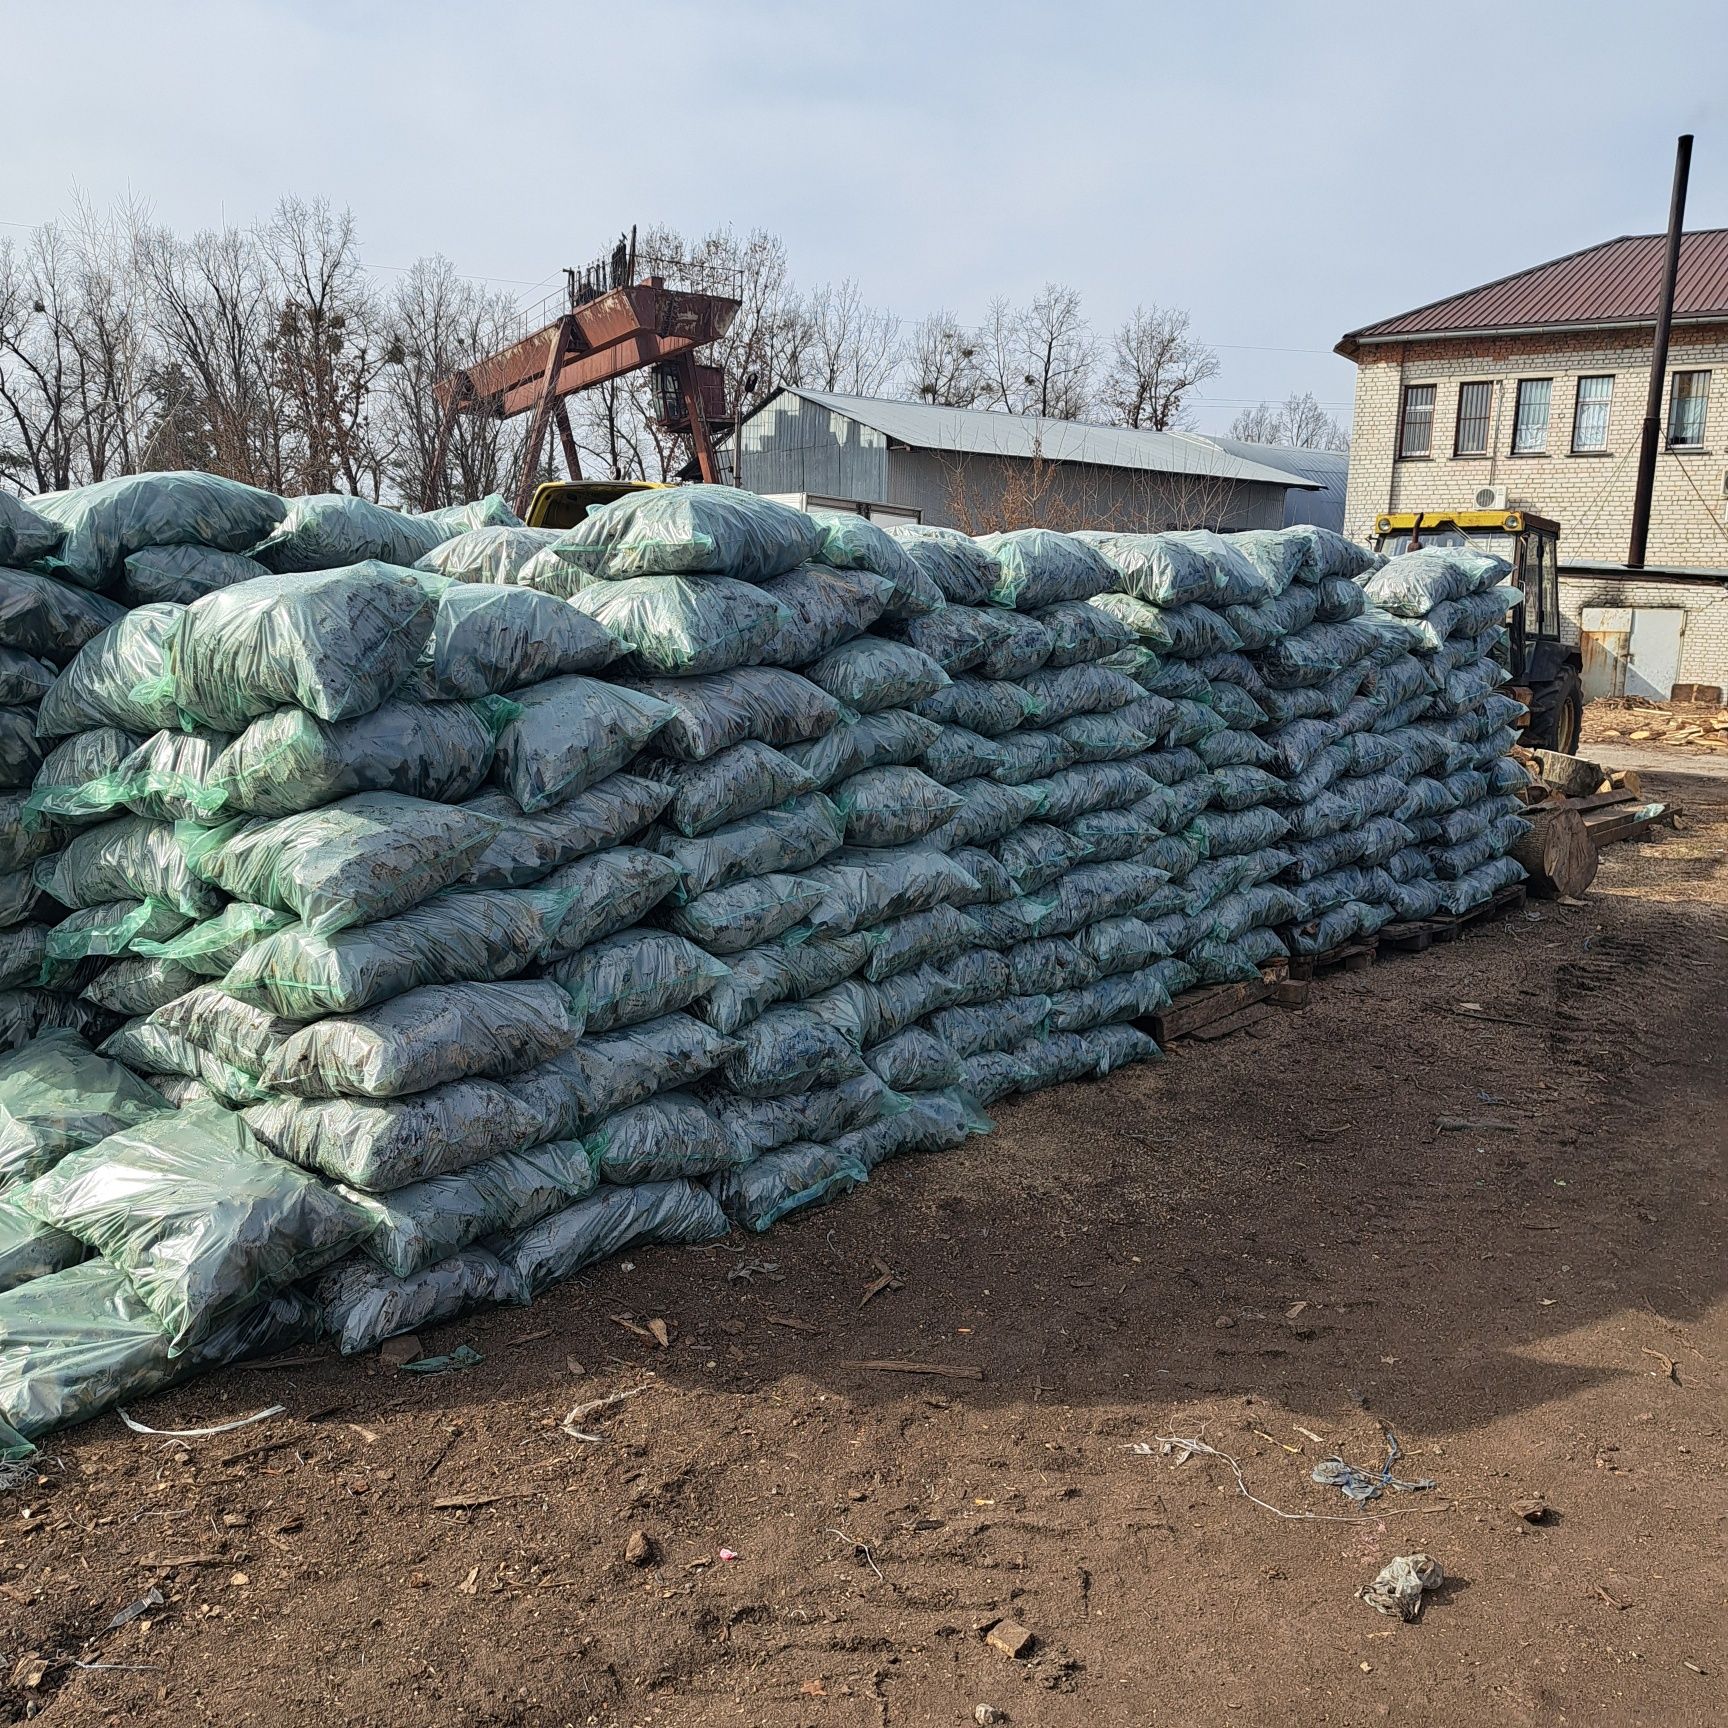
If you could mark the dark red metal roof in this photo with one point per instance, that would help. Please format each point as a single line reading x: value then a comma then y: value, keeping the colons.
x: 1616, y: 282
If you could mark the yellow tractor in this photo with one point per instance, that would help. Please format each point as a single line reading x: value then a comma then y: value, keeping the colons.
x: 1546, y: 673
x: 564, y: 503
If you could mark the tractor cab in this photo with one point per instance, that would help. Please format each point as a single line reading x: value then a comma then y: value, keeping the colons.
x: 564, y: 503
x: 1537, y: 657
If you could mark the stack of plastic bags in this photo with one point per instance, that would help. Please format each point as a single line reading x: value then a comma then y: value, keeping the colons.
x: 1461, y: 806
x: 508, y: 896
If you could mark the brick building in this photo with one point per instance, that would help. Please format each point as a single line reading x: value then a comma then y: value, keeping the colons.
x: 1533, y: 387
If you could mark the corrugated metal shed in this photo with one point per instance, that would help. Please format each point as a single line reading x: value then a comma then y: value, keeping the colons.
x: 1617, y: 282
x: 1327, y: 469
x: 972, y: 432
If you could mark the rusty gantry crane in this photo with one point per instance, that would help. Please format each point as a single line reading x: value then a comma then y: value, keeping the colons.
x: 611, y: 327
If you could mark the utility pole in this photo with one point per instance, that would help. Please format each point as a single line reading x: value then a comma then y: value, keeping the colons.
x: 1648, y: 443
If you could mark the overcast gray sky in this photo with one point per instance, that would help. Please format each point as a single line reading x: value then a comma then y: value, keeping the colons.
x: 1285, y: 171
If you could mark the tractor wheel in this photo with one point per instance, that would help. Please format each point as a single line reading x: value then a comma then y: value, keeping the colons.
x: 1557, y: 714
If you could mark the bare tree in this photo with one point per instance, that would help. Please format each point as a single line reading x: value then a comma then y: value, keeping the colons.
x: 852, y: 347
x: 1155, y: 362
x: 1300, y: 422
x: 941, y: 364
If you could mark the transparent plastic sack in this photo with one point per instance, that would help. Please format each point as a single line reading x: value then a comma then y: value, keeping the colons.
x: 425, y: 1038
x: 603, y: 892
x: 362, y: 858
x: 931, y: 1122
x: 82, y: 1341
x: 527, y: 848
x: 852, y: 542
x: 864, y: 887
x: 892, y: 806
x: 334, y: 642
x: 416, y: 1226
x: 201, y: 1220
x: 1039, y: 568
x: 880, y: 740
x: 106, y: 522
x: 1073, y: 792
x: 761, y: 977
x: 790, y: 1179
x: 130, y: 859
x: 1021, y: 645
x: 487, y: 640
x: 736, y: 782
x: 25, y: 1014
x: 57, y: 1096
x: 670, y: 1135
x: 987, y: 811
x: 29, y: 1249
x: 801, y: 833
x: 986, y: 706
x: 968, y: 1028
x: 636, y: 975
x: 1416, y: 582
x: 961, y: 568
x: 360, y: 1304
x: 686, y: 625
x: 955, y: 754
x: 25, y: 536
x: 610, y: 1071
x: 1029, y: 755
x: 957, y: 638
x: 917, y: 939
x: 387, y: 1143
x: 759, y: 1125
x: 713, y: 530
x: 118, y: 678
x: 495, y: 554
x: 748, y: 914
x: 289, y: 761
x: 569, y: 734
x: 768, y: 703
x: 329, y: 530
x: 138, y: 986
x: 182, y: 574
x: 608, y: 1220
x: 824, y: 607
x: 873, y: 672
x: 788, y: 1048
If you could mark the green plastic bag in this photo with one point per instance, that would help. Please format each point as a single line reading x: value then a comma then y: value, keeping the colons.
x: 526, y: 848
x: 106, y: 523
x: 569, y: 734
x: 182, y: 573
x: 427, y: 1038
x: 636, y: 975
x: 76, y: 1344
x: 386, y: 1143
x: 687, y: 625
x: 201, y: 1219
x: 670, y: 1135
x: 213, y: 945
x: 32, y: 1250
x: 57, y: 1095
x: 131, y: 859
x: 328, y: 530
x: 334, y: 642
x: 787, y: 1180
x: 41, y: 616
x: 488, y: 639
x: 417, y: 1226
x: 481, y: 935
x: 118, y: 678
x: 25, y: 536
x: 715, y: 530
x: 366, y: 857
x: 361, y: 1304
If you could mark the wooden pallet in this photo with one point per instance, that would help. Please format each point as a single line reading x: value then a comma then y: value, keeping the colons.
x: 1216, y: 1010
x: 1418, y: 934
x: 1354, y: 956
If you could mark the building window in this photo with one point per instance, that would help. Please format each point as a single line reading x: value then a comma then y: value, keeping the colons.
x: 1475, y: 405
x: 1416, y: 426
x: 1530, y: 421
x: 1590, y: 422
x: 1688, y: 399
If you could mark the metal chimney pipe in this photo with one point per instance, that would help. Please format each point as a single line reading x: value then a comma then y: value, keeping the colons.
x: 1648, y: 441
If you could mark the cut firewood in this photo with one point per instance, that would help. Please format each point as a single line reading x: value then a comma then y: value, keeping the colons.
x: 1558, y: 853
x: 1574, y: 776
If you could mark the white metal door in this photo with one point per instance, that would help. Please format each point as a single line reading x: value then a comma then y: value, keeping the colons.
x: 1631, y: 650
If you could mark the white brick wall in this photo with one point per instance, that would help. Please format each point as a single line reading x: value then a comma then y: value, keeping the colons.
x: 1589, y: 495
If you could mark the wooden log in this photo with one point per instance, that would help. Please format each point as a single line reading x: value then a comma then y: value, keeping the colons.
x: 1573, y: 776
x: 1557, y: 853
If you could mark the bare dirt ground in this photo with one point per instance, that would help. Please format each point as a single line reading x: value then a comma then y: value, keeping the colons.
x: 1259, y: 1241
x: 1699, y: 727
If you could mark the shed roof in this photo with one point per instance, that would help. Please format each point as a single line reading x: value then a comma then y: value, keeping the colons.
x: 1615, y: 283
x: 978, y: 432
x: 1326, y: 469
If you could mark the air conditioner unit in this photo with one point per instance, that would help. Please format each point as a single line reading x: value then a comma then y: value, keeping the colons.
x: 1490, y: 497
